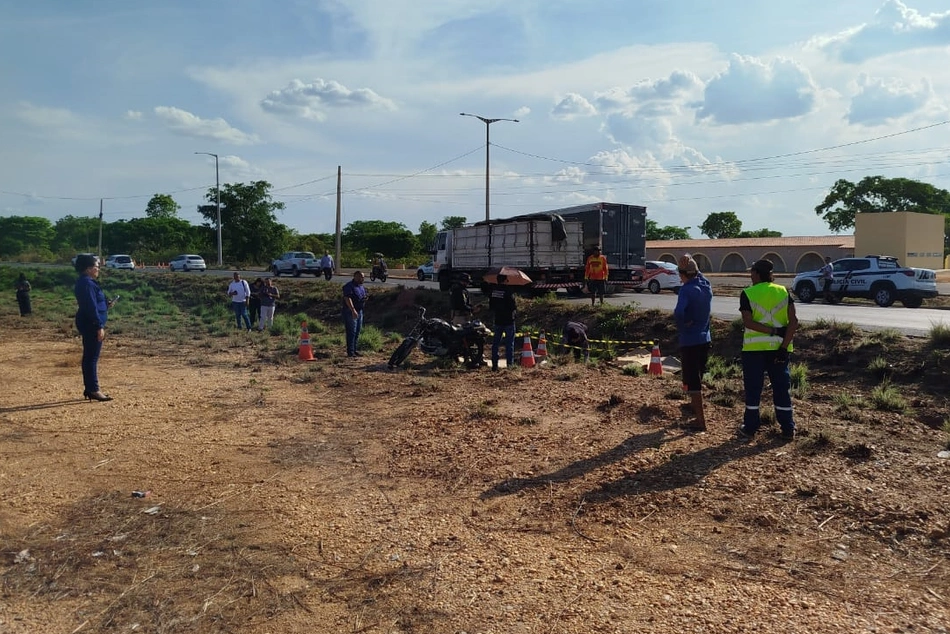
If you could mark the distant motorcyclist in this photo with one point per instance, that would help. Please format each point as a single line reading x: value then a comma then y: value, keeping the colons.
x: 380, y: 270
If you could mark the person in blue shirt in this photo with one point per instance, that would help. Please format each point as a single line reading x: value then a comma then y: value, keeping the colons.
x: 91, y: 320
x: 354, y: 299
x: 692, y: 315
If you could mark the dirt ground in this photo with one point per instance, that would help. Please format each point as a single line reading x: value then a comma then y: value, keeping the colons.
x: 337, y: 496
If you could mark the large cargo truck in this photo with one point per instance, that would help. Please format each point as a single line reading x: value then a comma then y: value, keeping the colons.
x: 550, y: 246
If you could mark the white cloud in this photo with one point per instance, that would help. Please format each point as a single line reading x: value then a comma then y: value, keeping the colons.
x: 751, y: 91
x: 572, y: 106
x: 879, y: 101
x: 46, y: 117
x: 186, y: 124
x: 133, y: 115
x: 895, y: 28
x: 522, y: 112
x: 309, y: 100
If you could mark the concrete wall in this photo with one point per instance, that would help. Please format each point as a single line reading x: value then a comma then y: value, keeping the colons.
x: 914, y: 239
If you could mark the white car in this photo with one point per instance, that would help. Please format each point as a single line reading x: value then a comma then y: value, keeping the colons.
x: 120, y: 262
x: 187, y: 262
x: 879, y: 278
x: 657, y: 276
x: 426, y: 271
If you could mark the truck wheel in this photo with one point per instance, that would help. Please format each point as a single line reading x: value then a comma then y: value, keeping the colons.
x: 654, y: 286
x: 296, y: 272
x: 883, y: 295
x: 805, y: 292
x: 912, y: 301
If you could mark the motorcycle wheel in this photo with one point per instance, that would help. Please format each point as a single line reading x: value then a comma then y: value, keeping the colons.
x: 401, y: 353
x: 382, y: 278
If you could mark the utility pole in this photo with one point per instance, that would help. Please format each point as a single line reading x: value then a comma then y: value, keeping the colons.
x: 487, y: 123
x: 339, y: 196
x: 217, y: 196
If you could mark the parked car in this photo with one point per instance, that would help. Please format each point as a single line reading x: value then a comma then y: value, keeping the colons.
x: 295, y: 263
x: 120, y: 262
x: 657, y: 276
x: 187, y: 262
x: 78, y: 254
x: 426, y: 271
x: 879, y: 278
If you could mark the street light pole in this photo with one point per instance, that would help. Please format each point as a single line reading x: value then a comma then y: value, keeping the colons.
x: 217, y: 195
x: 487, y: 123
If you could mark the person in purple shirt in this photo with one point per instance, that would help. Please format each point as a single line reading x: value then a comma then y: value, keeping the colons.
x: 354, y: 298
x: 692, y: 315
x: 91, y: 317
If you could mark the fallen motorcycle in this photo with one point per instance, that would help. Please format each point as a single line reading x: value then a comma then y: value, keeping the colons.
x: 439, y: 338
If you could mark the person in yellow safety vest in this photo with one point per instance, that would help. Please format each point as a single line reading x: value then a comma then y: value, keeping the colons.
x: 768, y: 315
x: 595, y: 273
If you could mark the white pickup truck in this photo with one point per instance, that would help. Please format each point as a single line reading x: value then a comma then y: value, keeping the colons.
x: 294, y: 263
x: 877, y: 277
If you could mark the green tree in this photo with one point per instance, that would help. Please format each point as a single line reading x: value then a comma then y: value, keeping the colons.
x: 453, y: 222
x: 876, y: 194
x: 25, y: 234
x: 316, y: 243
x: 426, y: 236
x: 760, y: 233
x: 392, y: 239
x: 162, y: 206
x: 249, y: 228
x: 721, y: 224
x: 655, y: 232
x: 76, y: 234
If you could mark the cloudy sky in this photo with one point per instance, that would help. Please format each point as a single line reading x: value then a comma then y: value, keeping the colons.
x: 685, y: 106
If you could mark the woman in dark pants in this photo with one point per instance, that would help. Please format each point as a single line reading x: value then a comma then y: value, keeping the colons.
x: 90, y: 322
x: 23, y: 289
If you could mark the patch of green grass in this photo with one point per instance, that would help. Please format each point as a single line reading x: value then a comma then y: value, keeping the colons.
x: 879, y: 367
x: 675, y: 394
x: 568, y: 373
x: 839, y: 328
x: 939, y: 335
x: 799, y: 379
x: 632, y: 369
x: 846, y: 400
x: 887, y: 398
x: 888, y: 335
x: 719, y: 368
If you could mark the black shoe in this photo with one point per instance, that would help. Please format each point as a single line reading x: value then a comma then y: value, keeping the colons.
x: 743, y: 434
x: 357, y: 354
x: 788, y: 435
x: 96, y: 396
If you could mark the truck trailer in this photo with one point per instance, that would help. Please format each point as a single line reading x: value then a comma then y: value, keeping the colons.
x: 551, y: 247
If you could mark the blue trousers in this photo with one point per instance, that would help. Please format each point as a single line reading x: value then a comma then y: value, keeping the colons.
x: 508, y: 333
x: 91, y: 349
x: 353, y: 327
x: 240, y: 311
x: 755, y: 365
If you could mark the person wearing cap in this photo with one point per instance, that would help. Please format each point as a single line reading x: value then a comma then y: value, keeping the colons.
x: 460, y: 301
x: 91, y: 317
x: 502, y: 303
x: 768, y: 315
x: 595, y: 274
x: 693, y: 316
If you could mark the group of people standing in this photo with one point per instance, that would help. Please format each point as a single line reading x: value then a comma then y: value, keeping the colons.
x: 769, y: 321
x: 253, y: 304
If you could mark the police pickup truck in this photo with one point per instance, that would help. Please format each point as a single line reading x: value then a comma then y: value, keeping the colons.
x: 295, y: 263
x: 877, y: 277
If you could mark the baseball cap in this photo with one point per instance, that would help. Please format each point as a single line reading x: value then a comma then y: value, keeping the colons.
x: 762, y: 267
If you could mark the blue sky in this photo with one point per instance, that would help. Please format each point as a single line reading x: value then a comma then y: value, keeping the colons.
x: 686, y: 107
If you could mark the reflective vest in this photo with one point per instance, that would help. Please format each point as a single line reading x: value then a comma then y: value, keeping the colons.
x: 770, y: 307
x: 596, y: 268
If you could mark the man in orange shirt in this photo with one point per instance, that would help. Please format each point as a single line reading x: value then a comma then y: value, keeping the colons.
x: 595, y: 272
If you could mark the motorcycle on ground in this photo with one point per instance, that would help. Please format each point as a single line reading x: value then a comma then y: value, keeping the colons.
x: 439, y: 338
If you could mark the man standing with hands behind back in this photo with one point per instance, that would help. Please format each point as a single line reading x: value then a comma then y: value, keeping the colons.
x: 768, y: 315
x: 595, y: 272
x: 692, y: 315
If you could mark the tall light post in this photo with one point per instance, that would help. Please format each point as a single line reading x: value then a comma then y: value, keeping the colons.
x: 217, y: 195
x: 487, y: 123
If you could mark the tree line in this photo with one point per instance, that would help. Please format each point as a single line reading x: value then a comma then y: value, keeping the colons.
x: 251, y: 233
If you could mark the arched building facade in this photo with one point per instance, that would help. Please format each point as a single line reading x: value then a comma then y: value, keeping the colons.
x: 735, y: 255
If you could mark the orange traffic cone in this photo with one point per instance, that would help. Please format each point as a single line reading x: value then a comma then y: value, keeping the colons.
x: 527, y: 354
x: 656, y: 365
x: 305, y: 352
x: 542, y: 353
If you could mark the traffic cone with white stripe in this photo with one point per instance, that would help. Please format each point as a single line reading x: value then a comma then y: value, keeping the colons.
x: 656, y: 365
x: 527, y: 354
x: 542, y: 353
x: 305, y: 352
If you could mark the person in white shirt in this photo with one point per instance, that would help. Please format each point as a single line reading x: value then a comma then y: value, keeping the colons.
x: 240, y: 293
x: 326, y: 265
